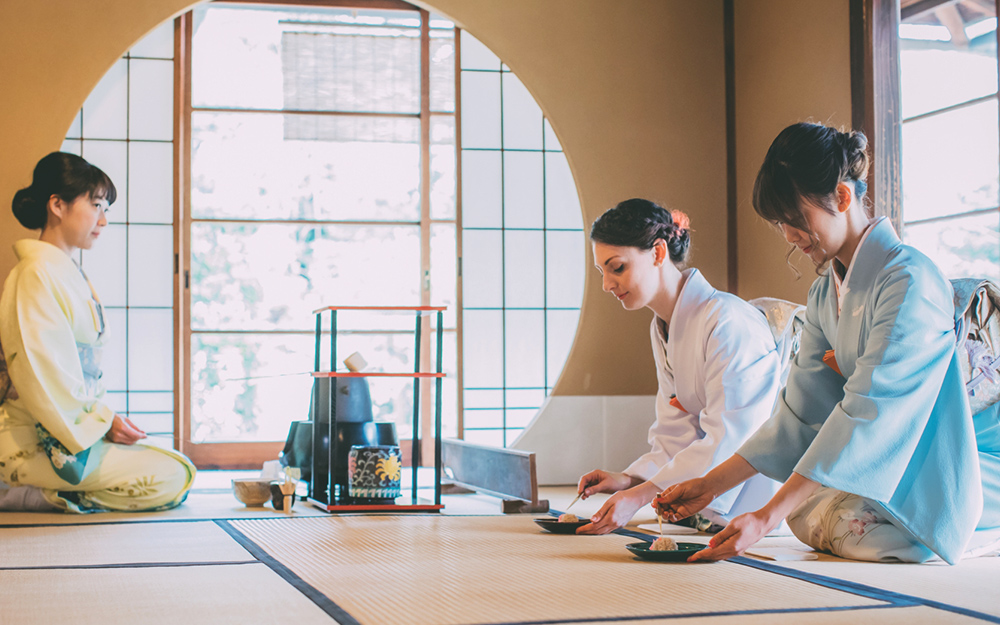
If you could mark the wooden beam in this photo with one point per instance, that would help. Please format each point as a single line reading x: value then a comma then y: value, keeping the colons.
x: 232, y: 456
x: 920, y: 8
x: 875, y: 100
x: 459, y: 301
x: 951, y: 19
x: 183, y: 38
x: 732, y: 228
x: 426, y: 407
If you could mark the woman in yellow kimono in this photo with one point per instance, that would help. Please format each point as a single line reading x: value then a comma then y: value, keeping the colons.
x: 61, y: 446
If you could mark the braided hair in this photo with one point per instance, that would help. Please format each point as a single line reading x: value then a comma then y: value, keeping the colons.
x: 641, y: 223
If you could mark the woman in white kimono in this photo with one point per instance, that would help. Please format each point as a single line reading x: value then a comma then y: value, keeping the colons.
x: 873, y: 438
x: 61, y: 446
x: 717, y: 366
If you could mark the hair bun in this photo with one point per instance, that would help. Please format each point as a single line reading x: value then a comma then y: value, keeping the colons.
x: 856, y: 155
x: 29, y: 210
x: 63, y: 175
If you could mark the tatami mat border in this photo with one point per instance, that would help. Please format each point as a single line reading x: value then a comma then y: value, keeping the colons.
x: 276, y: 517
x: 324, y: 603
x: 89, y: 523
x: 674, y: 617
x: 897, y: 599
x: 127, y: 565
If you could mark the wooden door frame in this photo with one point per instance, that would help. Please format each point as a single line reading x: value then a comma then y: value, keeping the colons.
x: 251, y: 455
x: 876, y: 99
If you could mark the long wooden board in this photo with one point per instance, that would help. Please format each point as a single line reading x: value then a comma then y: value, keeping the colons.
x: 504, y: 473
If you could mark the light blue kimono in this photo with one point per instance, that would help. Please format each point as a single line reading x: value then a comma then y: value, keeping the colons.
x: 895, y: 427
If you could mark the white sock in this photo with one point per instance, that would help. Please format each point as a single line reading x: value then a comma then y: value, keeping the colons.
x: 24, y: 499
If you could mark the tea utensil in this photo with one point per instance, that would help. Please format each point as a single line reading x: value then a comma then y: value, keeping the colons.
x: 575, y: 499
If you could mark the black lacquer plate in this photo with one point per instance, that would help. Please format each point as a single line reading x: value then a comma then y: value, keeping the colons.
x: 681, y: 554
x: 554, y: 526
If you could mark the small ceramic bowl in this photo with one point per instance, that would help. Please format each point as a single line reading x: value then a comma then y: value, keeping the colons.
x: 252, y: 491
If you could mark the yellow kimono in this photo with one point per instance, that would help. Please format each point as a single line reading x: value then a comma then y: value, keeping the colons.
x: 52, y: 417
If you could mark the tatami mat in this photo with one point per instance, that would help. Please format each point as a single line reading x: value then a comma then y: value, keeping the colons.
x: 440, y: 570
x: 128, y: 543
x: 443, y: 569
x: 238, y: 594
x: 973, y: 584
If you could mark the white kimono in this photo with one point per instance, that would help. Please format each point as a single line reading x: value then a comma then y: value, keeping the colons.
x: 53, y: 418
x: 721, y: 363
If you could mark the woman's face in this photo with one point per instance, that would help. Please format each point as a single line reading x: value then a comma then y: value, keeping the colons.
x: 630, y: 274
x: 831, y: 229
x: 829, y: 233
x: 82, y: 220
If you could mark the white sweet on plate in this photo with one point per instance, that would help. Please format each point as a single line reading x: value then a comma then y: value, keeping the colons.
x: 663, y: 543
x: 569, y: 518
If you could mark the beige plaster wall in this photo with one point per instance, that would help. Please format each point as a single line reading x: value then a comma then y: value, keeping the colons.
x: 633, y: 88
x: 635, y: 91
x: 52, y: 54
x: 792, y: 64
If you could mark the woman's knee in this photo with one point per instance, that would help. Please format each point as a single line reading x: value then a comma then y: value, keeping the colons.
x: 144, y: 473
x: 886, y: 543
x: 176, y: 474
x: 850, y: 526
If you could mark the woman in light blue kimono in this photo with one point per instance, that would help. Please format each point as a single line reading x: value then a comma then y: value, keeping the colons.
x: 873, y: 438
x: 61, y: 446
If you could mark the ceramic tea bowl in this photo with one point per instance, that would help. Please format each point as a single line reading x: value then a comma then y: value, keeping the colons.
x: 252, y: 491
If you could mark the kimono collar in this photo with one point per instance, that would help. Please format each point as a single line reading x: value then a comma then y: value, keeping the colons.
x: 869, y: 258
x: 843, y: 286
x: 695, y: 292
x: 33, y: 248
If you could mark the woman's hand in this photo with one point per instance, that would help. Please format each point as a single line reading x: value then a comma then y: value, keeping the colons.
x: 684, y: 499
x: 599, y: 481
x: 746, y: 529
x: 124, y: 432
x: 741, y: 534
x: 619, y: 509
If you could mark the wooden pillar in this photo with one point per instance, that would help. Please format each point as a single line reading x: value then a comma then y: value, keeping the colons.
x: 732, y: 198
x: 875, y: 100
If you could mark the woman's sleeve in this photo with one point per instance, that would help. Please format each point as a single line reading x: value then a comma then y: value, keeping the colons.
x: 870, y: 437
x: 742, y: 376
x: 44, y: 365
x: 810, y: 394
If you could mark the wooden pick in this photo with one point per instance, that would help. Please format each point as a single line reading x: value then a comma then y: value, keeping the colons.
x: 575, y: 499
